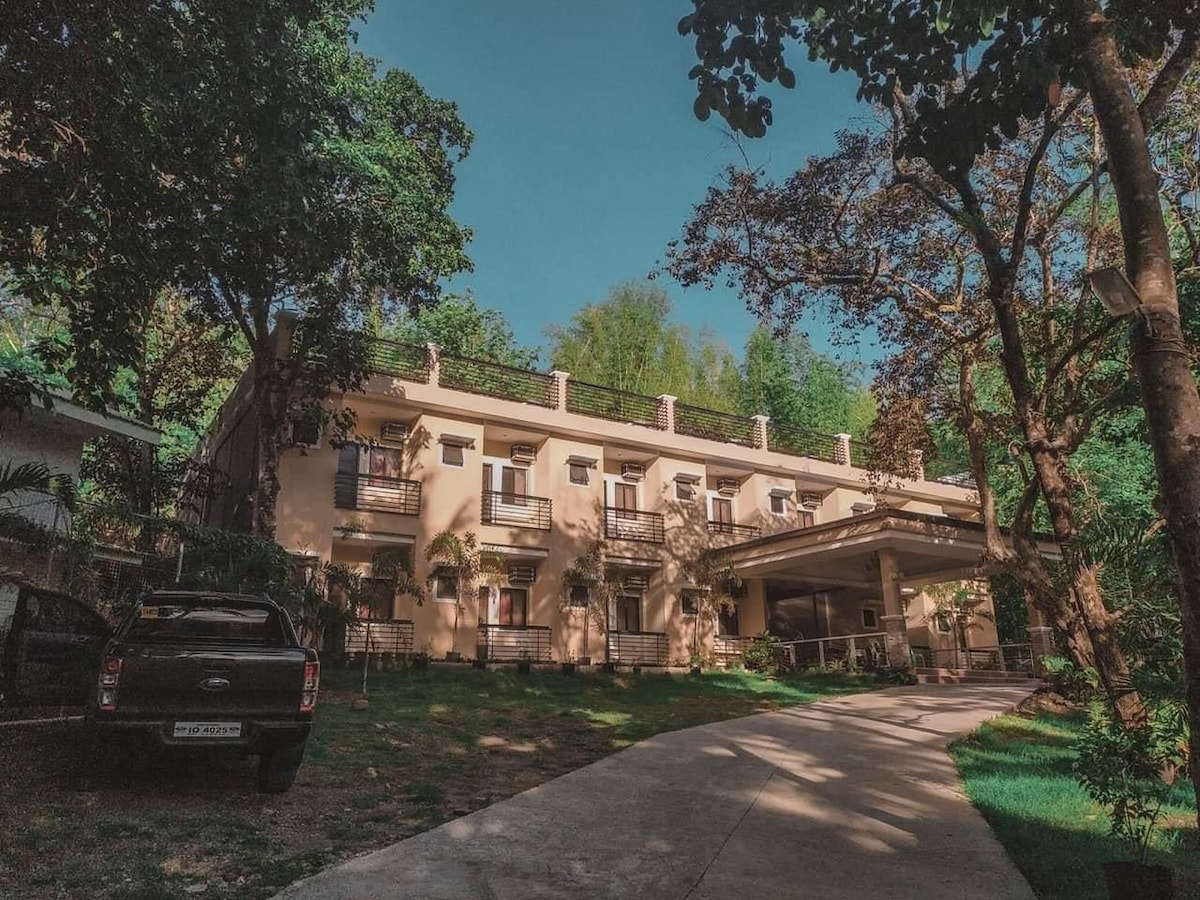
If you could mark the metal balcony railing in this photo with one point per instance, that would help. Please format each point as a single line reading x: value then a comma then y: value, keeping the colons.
x: 407, y: 361
x: 741, y: 531
x: 353, y: 490
x: 515, y: 510
x: 513, y: 642
x: 380, y: 636
x: 801, y: 442
x: 728, y: 648
x: 633, y: 525
x: 637, y: 648
x: 491, y: 379
x: 713, y: 425
x: 609, y: 403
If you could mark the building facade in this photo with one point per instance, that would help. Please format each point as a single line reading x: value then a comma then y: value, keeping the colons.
x: 540, y: 467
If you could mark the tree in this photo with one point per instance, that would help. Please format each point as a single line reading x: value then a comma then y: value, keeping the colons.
x: 627, y: 342
x: 603, y: 582
x: 787, y: 380
x: 1023, y: 58
x: 460, y: 557
x: 245, y: 154
x: 711, y: 570
x: 459, y: 326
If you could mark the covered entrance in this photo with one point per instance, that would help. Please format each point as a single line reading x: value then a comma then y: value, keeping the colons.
x: 854, y: 578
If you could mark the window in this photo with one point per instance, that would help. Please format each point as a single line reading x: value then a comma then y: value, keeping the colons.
x: 580, y: 596
x: 514, y: 484
x: 941, y: 622
x: 689, y: 600
x: 722, y: 510
x: 446, y: 586
x: 870, y: 619
x: 727, y: 622
x: 453, y: 455
x: 629, y: 613
x: 381, y: 462
x: 685, y: 491
x: 306, y: 432
x: 778, y: 505
x: 806, y: 519
x: 578, y: 473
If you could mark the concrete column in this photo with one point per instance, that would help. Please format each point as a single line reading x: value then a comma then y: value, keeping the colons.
x: 666, y: 412
x: 435, y: 364
x: 560, y: 389
x: 916, y: 460
x: 841, y: 449
x: 895, y: 623
x: 760, y: 431
x: 1041, y: 642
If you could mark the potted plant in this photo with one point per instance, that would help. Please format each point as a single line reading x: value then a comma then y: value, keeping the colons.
x: 568, y: 667
x: 697, y: 663
x: 1131, y: 773
x: 420, y: 660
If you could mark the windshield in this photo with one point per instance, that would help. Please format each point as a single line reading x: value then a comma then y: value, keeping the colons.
x: 177, y: 620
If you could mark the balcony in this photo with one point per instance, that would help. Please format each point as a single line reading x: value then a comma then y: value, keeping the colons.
x: 513, y: 642
x: 713, y: 425
x: 609, y: 403
x: 745, y: 532
x: 633, y: 525
x: 515, y: 510
x: 377, y: 493
x: 637, y: 648
x: 380, y: 636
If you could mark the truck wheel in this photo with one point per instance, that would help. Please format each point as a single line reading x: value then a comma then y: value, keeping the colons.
x: 277, y: 768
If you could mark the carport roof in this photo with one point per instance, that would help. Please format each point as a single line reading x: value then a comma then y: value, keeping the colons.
x: 843, y: 552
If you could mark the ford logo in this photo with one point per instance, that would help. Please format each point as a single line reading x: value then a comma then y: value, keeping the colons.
x: 214, y: 684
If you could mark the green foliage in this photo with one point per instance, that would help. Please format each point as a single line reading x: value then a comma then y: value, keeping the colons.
x: 760, y: 655
x: 1070, y: 679
x: 1131, y: 771
x: 461, y: 327
x: 460, y: 557
x: 897, y: 675
x: 627, y: 342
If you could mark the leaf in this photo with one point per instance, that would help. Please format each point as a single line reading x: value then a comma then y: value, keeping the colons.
x: 787, y: 77
x: 701, y: 108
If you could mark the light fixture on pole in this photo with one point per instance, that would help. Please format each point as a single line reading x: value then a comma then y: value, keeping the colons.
x: 1111, y: 287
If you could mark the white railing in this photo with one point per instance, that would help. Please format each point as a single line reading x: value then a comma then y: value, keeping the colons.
x: 856, y: 651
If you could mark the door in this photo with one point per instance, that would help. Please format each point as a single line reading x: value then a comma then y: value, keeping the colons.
x: 727, y: 623
x: 625, y: 498
x: 52, y: 651
x: 629, y: 612
x: 513, y: 605
x: 514, y: 485
x: 722, y: 513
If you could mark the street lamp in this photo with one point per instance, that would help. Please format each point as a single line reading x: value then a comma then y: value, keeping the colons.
x: 1111, y: 287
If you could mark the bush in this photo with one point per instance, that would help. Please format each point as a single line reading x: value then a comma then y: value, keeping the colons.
x: 895, y: 675
x: 760, y: 655
x: 1069, y: 679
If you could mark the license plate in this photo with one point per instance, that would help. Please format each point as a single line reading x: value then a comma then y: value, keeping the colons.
x: 208, y: 729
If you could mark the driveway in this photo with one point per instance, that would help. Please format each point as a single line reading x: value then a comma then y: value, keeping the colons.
x: 847, y: 798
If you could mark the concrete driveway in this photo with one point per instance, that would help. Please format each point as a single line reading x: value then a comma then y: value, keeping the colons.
x: 847, y: 798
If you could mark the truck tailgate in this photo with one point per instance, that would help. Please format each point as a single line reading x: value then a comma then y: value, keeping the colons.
x: 194, y: 681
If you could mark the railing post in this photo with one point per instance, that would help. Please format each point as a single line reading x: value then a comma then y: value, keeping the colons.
x: 851, y: 656
x: 792, y: 655
x: 1041, y: 645
x: 841, y: 449
x: 821, y: 653
x: 916, y: 460
x: 435, y: 363
x: 760, y: 431
x: 560, y: 389
x: 665, y: 416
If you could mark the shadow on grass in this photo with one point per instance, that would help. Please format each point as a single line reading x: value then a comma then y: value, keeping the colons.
x: 1020, y: 774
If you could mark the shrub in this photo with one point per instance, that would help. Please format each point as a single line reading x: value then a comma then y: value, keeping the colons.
x: 760, y: 655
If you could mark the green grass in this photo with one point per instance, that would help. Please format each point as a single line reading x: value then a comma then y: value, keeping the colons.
x: 1018, y: 773
x: 433, y: 745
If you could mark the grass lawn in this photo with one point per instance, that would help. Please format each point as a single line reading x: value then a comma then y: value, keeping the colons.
x: 433, y: 745
x: 1018, y: 774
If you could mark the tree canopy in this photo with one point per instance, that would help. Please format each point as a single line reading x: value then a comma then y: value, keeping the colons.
x: 460, y: 326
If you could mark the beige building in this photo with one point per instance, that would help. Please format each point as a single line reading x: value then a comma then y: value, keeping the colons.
x: 539, y: 466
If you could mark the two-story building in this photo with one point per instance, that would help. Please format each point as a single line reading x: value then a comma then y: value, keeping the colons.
x: 540, y: 465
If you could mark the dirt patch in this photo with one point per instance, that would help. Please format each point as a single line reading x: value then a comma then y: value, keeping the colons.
x: 1046, y: 702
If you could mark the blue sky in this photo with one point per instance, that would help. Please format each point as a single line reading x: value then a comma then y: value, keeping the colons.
x: 587, y: 158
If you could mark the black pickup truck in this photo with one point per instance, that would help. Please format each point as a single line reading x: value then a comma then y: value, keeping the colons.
x: 183, y: 669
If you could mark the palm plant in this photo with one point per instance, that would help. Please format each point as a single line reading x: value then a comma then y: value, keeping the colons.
x: 592, y: 570
x: 712, y: 572
x: 460, y: 557
x: 17, y: 482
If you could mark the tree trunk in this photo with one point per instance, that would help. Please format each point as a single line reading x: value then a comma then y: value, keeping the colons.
x: 267, y: 446
x: 1094, y: 626
x: 1160, y: 352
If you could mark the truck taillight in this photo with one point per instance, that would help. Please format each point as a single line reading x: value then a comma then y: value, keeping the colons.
x: 312, y: 681
x: 110, y: 680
